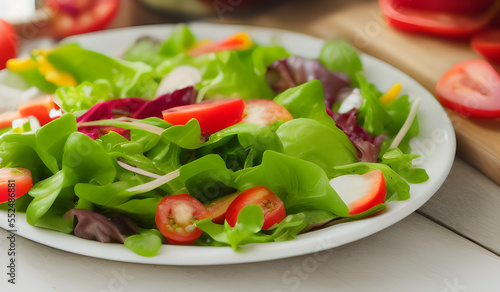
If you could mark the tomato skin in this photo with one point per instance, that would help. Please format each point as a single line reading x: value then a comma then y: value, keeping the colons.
x: 272, y: 206
x: 213, y: 115
x: 175, y: 216
x: 471, y: 88
x: 487, y: 43
x: 444, y: 24
x: 8, y: 43
x: 82, y: 16
x: 18, y: 179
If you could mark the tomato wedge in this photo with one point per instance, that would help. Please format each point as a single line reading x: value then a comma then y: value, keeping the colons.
x: 360, y: 193
x: 446, y: 24
x: 39, y: 107
x: 8, y: 43
x: 218, y: 208
x: 82, y: 16
x: 213, y: 115
x: 272, y: 206
x: 14, y: 182
x: 175, y: 216
x: 264, y: 112
x: 7, y: 118
x: 487, y: 43
x: 471, y: 88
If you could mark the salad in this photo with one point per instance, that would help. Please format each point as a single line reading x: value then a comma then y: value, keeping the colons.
x: 186, y: 141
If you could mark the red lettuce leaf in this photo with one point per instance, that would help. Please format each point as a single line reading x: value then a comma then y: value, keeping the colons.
x: 112, y: 108
x: 133, y: 107
x: 292, y: 71
x: 368, y: 147
x: 153, y: 108
x: 94, y: 226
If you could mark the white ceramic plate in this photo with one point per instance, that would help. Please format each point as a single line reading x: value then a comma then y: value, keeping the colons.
x: 436, y: 144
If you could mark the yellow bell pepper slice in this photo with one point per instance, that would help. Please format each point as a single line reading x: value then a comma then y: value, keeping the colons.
x: 391, y: 94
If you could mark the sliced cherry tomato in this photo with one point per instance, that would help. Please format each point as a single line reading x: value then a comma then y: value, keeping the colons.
x: 360, y: 193
x: 82, y: 16
x: 8, y: 43
x: 471, y: 88
x: 213, y: 115
x: 175, y: 216
x: 446, y: 24
x: 264, y: 112
x: 455, y: 6
x: 272, y: 206
x: 7, y: 118
x: 39, y: 107
x: 487, y: 43
x: 14, y: 182
x: 218, y: 208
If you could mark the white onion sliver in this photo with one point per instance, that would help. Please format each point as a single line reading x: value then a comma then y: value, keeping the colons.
x: 155, y: 183
x: 137, y: 170
x: 406, y: 126
x: 143, y: 126
x: 147, y: 127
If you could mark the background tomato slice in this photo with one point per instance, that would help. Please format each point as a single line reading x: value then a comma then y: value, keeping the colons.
x: 82, y: 16
x: 22, y: 179
x: 455, y: 6
x: 213, y: 115
x: 175, y: 216
x: 8, y: 43
x: 487, y: 43
x: 272, y: 207
x: 446, y: 24
x: 471, y: 88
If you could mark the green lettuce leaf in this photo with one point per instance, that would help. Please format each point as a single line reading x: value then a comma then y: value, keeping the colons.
x: 385, y: 119
x: 179, y: 40
x: 342, y: 57
x: 147, y: 243
x: 306, y: 101
x: 106, y: 77
x: 47, y: 142
x: 83, y: 160
x: 230, y: 73
x: 314, y: 142
x: 248, y: 227
x: 249, y: 222
x: 403, y: 165
x: 300, y: 184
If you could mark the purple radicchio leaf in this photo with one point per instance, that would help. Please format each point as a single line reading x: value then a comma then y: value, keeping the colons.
x: 109, y: 109
x: 368, y: 147
x: 133, y: 107
x: 94, y: 226
x: 293, y: 71
x: 95, y: 132
x: 153, y: 108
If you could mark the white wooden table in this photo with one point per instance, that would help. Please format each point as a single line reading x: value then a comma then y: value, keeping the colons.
x: 448, y: 245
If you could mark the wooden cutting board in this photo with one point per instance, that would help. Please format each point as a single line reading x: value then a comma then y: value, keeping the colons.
x: 425, y: 58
